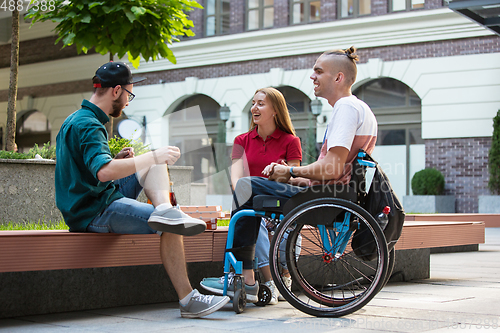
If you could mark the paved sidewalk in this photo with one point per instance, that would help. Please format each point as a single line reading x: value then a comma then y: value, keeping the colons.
x: 463, y: 293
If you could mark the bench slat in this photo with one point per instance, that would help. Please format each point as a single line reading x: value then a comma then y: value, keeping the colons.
x: 56, y: 249
x: 49, y: 251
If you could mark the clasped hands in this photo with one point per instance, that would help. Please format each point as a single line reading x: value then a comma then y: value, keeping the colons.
x: 279, y: 172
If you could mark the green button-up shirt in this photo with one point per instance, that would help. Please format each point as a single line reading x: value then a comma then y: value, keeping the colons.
x: 82, y: 149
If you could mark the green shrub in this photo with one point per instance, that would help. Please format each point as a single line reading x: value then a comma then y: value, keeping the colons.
x: 116, y: 144
x: 47, y: 152
x: 10, y: 155
x: 428, y: 182
x: 494, y: 157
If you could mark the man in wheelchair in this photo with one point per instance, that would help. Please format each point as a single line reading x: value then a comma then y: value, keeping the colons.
x: 352, y: 127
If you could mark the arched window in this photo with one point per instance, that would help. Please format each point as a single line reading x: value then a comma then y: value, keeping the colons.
x: 194, y: 133
x: 399, y: 141
x: 33, y: 127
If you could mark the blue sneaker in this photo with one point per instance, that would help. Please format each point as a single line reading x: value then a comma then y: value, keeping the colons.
x: 216, y: 286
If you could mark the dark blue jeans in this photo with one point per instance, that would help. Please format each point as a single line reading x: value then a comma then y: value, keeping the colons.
x: 247, y: 228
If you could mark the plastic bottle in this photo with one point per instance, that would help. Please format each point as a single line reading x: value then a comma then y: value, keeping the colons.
x: 383, y: 217
x: 173, y: 200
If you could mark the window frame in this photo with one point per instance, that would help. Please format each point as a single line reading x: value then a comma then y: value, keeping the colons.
x: 408, y: 7
x: 307, y: 11
x: 261, y: 10
x: 218, y: 15
x: 355, y: 10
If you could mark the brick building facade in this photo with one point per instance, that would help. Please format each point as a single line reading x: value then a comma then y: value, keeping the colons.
x: 392, y: 53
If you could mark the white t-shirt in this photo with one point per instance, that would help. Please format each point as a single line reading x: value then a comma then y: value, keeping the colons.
x: 352, y: 126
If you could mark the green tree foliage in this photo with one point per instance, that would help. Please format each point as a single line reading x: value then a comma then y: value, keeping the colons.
x: 494, y: 157
x: 135, y: 27
x: 428, y: 182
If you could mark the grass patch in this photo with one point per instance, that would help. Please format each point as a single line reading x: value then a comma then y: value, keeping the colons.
x: 223, y: 222
x: 60, y: 225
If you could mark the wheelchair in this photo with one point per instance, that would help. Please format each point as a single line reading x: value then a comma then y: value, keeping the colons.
x: 334, y: 250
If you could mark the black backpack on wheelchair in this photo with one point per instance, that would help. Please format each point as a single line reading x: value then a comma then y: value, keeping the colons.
x: 379, y: 196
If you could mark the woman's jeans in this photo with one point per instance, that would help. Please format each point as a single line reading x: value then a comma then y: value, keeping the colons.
x: 262, y: 247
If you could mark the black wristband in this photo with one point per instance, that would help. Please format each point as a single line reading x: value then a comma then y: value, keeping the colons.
x: 292, y: 173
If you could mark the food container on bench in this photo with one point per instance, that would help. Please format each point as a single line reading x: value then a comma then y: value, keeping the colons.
x: 211, y: 223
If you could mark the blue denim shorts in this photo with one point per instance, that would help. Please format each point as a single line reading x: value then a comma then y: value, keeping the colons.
x: 125, y: 215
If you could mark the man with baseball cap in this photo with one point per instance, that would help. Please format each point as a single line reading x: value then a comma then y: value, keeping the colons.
x: 97, y: 193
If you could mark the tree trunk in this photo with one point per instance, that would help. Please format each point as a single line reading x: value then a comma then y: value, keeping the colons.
x: 109, y: 125
x: 14, y: 65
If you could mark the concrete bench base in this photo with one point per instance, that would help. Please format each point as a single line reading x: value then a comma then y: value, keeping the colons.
x: 62, y: 290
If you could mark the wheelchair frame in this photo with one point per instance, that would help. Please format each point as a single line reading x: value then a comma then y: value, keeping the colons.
x: 339, y: 282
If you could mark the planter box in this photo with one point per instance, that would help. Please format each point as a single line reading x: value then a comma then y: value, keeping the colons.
x: 429, y: 203
x: 489, y: 204
x: 28, y: 193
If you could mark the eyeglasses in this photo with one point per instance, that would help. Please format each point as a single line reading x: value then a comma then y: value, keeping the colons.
x: 130, y: 95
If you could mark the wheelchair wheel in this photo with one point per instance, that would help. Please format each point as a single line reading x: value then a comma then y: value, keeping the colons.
x: 331, y: 276
x: 390, y: 268
x: 264, y: 295
x: 239, y: 301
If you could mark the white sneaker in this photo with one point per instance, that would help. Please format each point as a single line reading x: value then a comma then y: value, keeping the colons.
x: 274, y: 292
x: 288, y: 285
x: 175, y: 221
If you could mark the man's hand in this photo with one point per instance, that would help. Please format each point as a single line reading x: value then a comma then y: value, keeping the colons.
x: 167, y: 154
x: 126, y: 152
x: 280, y: 173
x: 268, y: 170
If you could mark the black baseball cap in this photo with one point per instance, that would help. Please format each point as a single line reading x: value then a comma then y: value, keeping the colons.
x: 114, y: 74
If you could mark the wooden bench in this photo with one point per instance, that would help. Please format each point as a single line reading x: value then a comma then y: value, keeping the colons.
x: 490, y: 220
x: 37, y: 250
x: 43, y: 269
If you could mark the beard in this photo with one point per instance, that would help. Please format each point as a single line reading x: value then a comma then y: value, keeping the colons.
x: 117, y: 108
